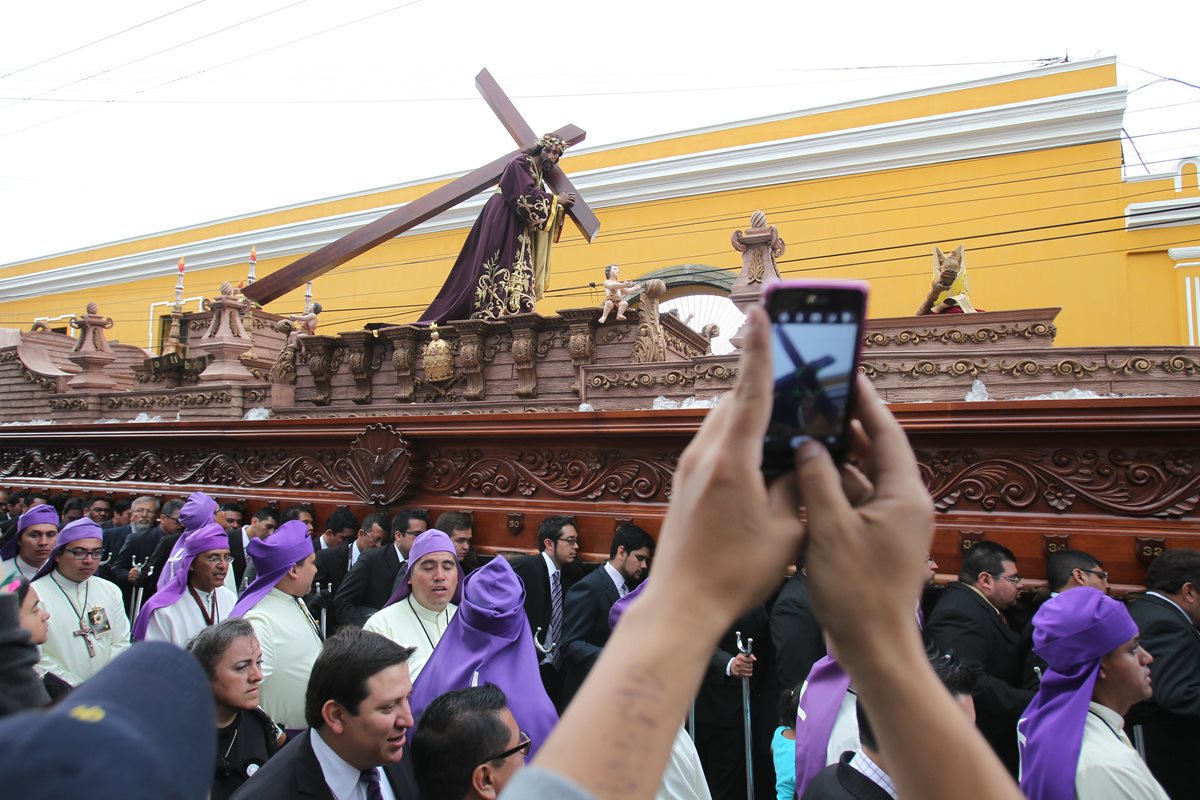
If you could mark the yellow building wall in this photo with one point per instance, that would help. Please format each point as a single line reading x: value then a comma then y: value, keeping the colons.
x: 1042, y: 228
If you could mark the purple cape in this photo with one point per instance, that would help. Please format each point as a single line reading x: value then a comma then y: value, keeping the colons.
x: 198, y: 512
x: 82, y: 528
x: 38, y: 515
x: 618, y: 608
x: 273, y: 557
x: 429, y: 542
x: 190, y: 545
x: 1072, y: 632
x: 488, y: 641
x: 820, y: 699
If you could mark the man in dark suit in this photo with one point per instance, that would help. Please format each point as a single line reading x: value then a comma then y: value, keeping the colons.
x: 141, y: 547
x: 230, y: 516
x: 1065, y: 570
x: 345, y: 751
x: 969, y: 620
x: 142, y: 513
x: 585, y: 612
x: 377, y: 573
x: 335, y: 562
x: 546, y: 585
x: 795, y: 632
x: 1167, y: 616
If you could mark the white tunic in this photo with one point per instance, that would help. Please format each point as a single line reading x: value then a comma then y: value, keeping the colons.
x: 683, y: 779
x: 180, y: 621
x: 18, y: 564
x: 412, y: 625
x: 64, y: 653
x: 290, y: 643
x: 1109, y: 767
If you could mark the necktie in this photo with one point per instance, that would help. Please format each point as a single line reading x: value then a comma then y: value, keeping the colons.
x: 399, y: 576
x: 555, y: 616
x: 370, y: 782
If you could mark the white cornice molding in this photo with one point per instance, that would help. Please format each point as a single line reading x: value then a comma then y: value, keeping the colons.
x: 1060, y: 121
x: 1163, y: 214
x: 1184, y: 253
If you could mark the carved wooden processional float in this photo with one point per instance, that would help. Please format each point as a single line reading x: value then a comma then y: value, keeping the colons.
x: 489, y: 416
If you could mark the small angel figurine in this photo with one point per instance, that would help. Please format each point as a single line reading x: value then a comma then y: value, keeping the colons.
x: 616, y: 292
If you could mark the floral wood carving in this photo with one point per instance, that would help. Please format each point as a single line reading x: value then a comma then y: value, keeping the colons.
x: 379, y: 465
x: 986, y: 335
x: 1142, y: 483
x: 561, y: 474
x: 685, y: 376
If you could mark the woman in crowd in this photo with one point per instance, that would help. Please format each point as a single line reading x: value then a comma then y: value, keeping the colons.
x: 34, y: 617
x: 246, y: 736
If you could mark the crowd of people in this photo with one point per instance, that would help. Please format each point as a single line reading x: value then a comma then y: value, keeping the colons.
x: 213, y: 653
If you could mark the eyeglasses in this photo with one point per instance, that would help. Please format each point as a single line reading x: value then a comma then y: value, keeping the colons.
x: 173, y: 519
x: 522, y: 748
x: 215, y: 560
x: 572, y: 542
x: 1016, y: 579
x: 1099, y: 573
x: 79, y: 554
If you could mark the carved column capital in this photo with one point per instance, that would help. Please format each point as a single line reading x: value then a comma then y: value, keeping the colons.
x: 361, y: 357
x: 324, y: 357
x: 524, y: 329
x: 404, y: 358
x: 581, y: 344
x: 473, y: 352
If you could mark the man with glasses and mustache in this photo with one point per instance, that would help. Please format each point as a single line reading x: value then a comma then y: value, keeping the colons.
x: 192, y: 594
x: 546, y: 585
x: 88, y: 626
x: 468, y: 745
x: 969, y: 620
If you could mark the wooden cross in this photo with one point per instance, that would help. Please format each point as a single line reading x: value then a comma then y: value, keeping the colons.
x: 412, y: 214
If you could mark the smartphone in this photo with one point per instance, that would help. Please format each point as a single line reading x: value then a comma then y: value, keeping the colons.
x: 816, y: 341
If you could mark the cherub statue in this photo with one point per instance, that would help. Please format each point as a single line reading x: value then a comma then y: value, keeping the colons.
x: 616, y: 293
x: 948, y: 294
x: 307, y: 320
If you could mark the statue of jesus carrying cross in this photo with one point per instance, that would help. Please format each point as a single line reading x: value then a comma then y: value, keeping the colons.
x: 504, y: 264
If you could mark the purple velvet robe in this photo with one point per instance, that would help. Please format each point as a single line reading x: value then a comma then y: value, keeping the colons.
x: 494, y: 275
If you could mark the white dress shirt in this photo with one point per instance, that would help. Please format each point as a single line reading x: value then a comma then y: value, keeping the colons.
x: 342, y: 779
x: 180, y: 621
x: 410, y: 624
x: 64, y: 653
x: 618, y: 579
x: 18, y: 564
x: 290, y: 643
x: 1108, y: 766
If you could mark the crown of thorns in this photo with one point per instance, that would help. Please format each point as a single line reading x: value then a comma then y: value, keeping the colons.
x: 550, y: 140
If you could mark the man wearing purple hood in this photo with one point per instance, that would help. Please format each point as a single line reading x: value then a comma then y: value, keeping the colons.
x: 419, y: 611
x: 1071, y: 738
x: 287, y: 634
x: 30, y: 545
x: 88, y: 626
x: 489, y: 641
x: 191, y: 594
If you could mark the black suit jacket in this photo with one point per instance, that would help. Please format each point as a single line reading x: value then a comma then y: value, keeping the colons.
x: 366, y: 588
x: 533, y: 573
x: 141, y: 546
x: 332, y: 565
x: 1170, y: 720
x: 238, y: 551
x: 841, y: 781
x: 966, y: 623
x: 585, y: 627
x: 795, y: 633
x: 295, y: 772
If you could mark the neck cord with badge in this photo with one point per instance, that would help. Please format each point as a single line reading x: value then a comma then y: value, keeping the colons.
x: 84, y: 631
x: 311, y: 622
x: 421, y: 622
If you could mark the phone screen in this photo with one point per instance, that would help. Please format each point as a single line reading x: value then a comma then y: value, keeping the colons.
x: 815, y: 337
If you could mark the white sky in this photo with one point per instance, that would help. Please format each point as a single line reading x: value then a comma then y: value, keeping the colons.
x: 216, y: 109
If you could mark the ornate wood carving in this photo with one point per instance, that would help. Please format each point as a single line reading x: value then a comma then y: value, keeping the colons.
x: 1148, y: 548
x: 379, y: 465
x: 68, y: 404
x: 404, y: 356
x: 473, y: 353
x: 365, y: 357
x: 324, y: 359
x: 565, y: 474
x: 170, y: 400
x: 525, y: 352
x: 1139, y: 483
x: 581, y: 342
x: 956, y: 336
x: 682, y: 376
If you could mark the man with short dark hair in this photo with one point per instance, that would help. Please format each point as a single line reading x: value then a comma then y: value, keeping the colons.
x: 230, y: 515
x: 969, y: 620
x: 334, y: 563
x: 4, y: 505
x: 1167, y: 617
x: 468, y: 745
x: 261, y: 525
x: 546, y: 586
x: 340, y: 528
x: 585, y: 613
x: 378, y: 572
x: 1065, y: 570
x: 100, y: 510
x: 72, y: 509
x: 120, y: 514
x: 460, y: 528
x: 356, y: 708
